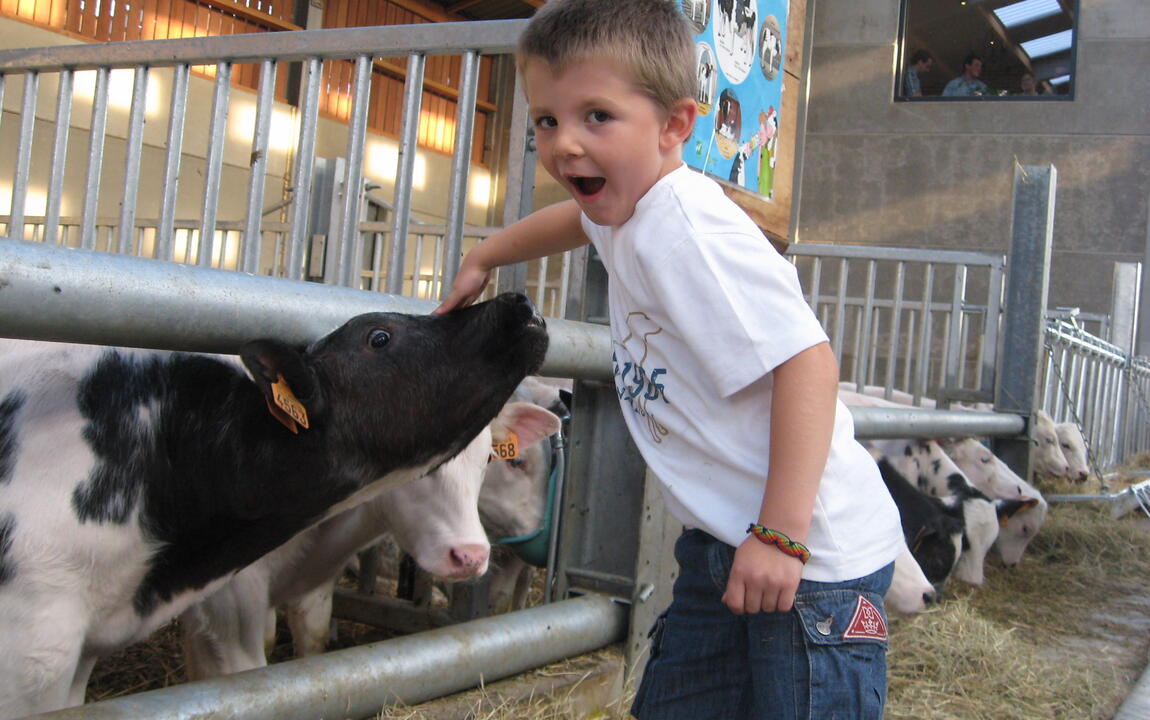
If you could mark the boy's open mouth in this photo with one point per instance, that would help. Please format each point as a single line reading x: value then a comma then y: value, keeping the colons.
x: 587, y: 185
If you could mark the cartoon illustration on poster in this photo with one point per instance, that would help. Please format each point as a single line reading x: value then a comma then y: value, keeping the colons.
x: 739, y: 60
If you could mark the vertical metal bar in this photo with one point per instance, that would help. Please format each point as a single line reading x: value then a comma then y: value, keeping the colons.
x: 133, y: 150
x: 911, y: 325
x: 867, y: 323
x: 98, y: 129
x: 461, y: 164
x: 59, y: 156
x: 214, y: 163
x: 541, y: 280
x: 840, y: 309
x: 519, y: 195
x: 350, y: 261
x: 922, y: 368
x: 963, y: 344
x: 954, y: 347
x: 252, y: 240
x: 405, y: 171
x: 298, y: 237
x: 989, y: 358
x: 1050, y: 398
x: 873, y: 344
x: 895, y: 324
x: 23, y: 155
x: 169, y: 193
x: 417, y: 268
x: 816, y: 283
x: 1028, y: 277
x: 378, y: 244
x: 564, y: 284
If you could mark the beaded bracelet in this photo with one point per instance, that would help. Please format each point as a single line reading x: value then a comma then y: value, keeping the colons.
x: 781, y: 541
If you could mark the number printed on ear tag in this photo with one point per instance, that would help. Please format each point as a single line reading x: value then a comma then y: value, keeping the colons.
x: 286, y: 400
x: 506, y: 449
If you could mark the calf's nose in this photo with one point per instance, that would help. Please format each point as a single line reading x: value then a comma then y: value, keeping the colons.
x: 468, y: 560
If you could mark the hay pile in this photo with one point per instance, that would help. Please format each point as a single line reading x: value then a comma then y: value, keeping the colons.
x: 1056, y: 637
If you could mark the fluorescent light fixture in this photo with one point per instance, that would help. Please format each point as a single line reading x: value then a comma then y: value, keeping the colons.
x: 1061, y: 79
x: 1026, y: 11
x: 1049, y: 44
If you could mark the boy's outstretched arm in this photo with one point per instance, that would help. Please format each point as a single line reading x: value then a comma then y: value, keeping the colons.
x: 547, y: 231
x: 805, y: 391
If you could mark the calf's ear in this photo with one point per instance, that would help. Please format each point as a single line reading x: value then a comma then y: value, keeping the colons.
x: 275, y: 366
x: 1008, y: 508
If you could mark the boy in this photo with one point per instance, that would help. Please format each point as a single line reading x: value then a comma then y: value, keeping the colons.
x: 724, y: 375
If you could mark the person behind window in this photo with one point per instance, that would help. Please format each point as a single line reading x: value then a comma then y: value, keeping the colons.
x: 967, y: 84
x: 1029, y: 85
x: 921, y: 61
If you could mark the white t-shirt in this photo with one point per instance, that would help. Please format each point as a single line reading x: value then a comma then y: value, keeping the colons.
x: 702, y: 309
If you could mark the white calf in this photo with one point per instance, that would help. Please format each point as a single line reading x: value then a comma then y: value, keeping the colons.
x: 434, y: 518
x: 1021, y: 507
x: 1074, y: 449
x: 1046, y: 457
x: 513, y: 501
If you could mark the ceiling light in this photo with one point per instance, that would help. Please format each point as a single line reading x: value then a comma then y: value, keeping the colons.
x: 1049, y: 44
x: 1027, y: 11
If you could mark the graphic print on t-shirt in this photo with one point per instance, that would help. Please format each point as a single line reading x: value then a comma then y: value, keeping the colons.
x: 637, y: 385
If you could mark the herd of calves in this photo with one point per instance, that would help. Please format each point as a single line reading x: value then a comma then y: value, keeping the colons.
x: 139, y: 486
x: 957, y: 500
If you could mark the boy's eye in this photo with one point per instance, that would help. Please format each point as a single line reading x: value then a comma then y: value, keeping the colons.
x: 545, y: 121
x: 598, y: 116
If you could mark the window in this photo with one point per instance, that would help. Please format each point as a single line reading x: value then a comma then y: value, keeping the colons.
x: 987, y: 50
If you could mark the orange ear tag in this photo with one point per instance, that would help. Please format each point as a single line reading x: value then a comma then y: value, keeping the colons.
x: 506, y: 449
x: 286, y: 400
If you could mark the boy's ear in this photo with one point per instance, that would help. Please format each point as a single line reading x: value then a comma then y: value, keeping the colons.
x: 680, y: 122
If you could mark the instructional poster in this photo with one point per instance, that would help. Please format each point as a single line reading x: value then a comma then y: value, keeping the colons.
x: 739, y: 60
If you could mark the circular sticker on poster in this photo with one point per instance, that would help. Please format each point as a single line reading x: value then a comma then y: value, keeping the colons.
x: 698, y: 12
x: 770, y: 47
x: 728, y: 123
x: 708, y: 80
x: 735, y: 25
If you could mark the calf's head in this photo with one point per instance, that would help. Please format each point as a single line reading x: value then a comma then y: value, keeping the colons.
x: 389, y: 385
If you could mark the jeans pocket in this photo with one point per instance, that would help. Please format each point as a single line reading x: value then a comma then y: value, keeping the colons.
x: 845, y: 632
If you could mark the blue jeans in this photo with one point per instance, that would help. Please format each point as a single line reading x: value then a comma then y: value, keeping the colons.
x: 823, y: 659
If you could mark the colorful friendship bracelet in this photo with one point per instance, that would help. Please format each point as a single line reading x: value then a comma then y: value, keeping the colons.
x: 781, y: 541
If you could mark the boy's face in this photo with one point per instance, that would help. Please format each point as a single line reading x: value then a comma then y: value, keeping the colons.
x: 601, y: 137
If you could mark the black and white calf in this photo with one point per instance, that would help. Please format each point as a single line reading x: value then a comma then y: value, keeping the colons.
x: 932, y: 526
x: 133, y: 483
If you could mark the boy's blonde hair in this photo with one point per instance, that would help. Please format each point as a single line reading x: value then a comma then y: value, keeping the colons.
x: 652, y: 39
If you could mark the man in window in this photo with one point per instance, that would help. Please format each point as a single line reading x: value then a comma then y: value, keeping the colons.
x: 967, y: 84
x: 920, y: 62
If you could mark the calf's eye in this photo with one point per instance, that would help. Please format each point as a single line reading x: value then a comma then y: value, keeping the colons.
x: 378, y: 338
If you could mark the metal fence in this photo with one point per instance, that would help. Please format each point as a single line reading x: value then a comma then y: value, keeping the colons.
x: 928, y: 323
x: 904, y: 318
x: 303, y: 225
x: 1099, y: 387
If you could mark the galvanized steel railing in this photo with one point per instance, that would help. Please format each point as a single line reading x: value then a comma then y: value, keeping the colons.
x: 1100, y: 388
x: 904, y: 318
x: 355, y: 247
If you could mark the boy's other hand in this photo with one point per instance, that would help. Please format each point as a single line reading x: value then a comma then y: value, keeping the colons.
x: 763, y: 579
x: 468, y: 286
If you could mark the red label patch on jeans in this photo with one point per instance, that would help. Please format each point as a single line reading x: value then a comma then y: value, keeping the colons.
x: 867, y: 623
